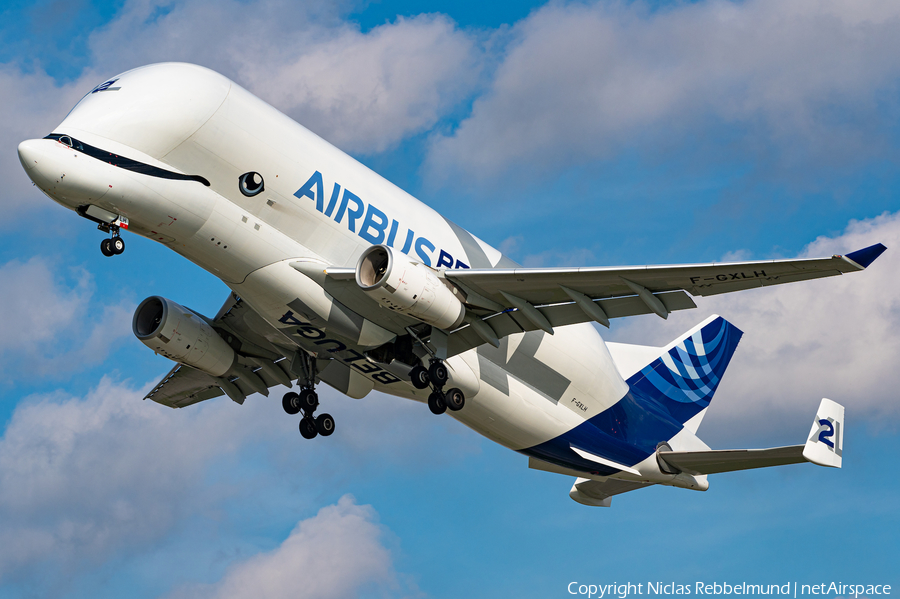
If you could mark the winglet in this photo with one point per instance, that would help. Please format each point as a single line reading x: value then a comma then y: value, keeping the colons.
x: 866, y: 256
x: 826, y: 438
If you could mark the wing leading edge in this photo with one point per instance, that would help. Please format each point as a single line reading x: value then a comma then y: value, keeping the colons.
x: 539, y: 286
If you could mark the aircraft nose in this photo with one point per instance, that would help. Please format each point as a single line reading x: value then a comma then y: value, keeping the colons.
x: 29, y: 153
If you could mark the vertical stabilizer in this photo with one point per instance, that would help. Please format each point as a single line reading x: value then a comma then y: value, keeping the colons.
x: 825, y: 444
x: 683, y: 379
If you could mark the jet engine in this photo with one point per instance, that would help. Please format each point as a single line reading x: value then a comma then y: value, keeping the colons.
x: 399, y: 283
x: 181, y: 335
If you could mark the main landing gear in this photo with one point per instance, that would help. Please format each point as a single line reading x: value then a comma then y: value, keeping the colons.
x: 436, y: 376
x: 307, y: 401
x: 114, y: 245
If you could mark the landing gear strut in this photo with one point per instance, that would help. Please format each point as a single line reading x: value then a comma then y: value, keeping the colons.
x: 307, y: 401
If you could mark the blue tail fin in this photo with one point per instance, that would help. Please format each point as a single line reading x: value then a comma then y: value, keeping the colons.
x: 685, y: 376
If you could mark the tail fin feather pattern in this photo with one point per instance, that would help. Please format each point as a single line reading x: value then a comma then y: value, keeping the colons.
x: 685, y: 377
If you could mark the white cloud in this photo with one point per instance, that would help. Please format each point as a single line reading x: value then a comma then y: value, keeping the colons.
x: 364, y: 92
x: 337, y: 553
x: 837, y: 337
x: 85, y: 479
x: 800, y: 84
x: 82, y: 477
x: 52, y: 324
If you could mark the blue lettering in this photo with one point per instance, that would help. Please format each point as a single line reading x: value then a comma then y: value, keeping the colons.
x: 827, y: 430
x: 421, y: 242
x: 408, y: 243
x: 369, y: 224
x: 393, y: 233
x: 444, y: 259
x: 307, y: 190
x: 333, y: 201
x: 461, y: 264
x: 354, y: 213
x: 374, y: 227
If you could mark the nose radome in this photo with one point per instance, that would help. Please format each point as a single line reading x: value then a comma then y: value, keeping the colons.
x: 29, y: 154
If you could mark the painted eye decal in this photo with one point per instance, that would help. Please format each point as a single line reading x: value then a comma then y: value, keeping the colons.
x: 251, y: 184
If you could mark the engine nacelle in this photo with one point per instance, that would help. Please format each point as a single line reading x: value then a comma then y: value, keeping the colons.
x: 398, y: 283
x: 177, y: 333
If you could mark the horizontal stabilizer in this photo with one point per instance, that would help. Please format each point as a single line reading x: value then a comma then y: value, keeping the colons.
x: 603, y: 461
x: 729, y: 460
x: 599, y: 493
x: 824, y: 447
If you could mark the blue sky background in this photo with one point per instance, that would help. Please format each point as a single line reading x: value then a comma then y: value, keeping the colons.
x: 568, y: 133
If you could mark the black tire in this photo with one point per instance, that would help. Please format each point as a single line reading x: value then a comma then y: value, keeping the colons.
x: 436, y: 403
x: 419, y: 376
x: 117, y: 245
x: 309, y: 400
x: 308, y: 428
x: 325, y: 424
x: 455, y: 400
x: 291, y: 403
x: 438, y: 374
x: 106, y: 247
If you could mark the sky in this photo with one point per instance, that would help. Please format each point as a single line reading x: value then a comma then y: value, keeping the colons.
x: 567, y: 133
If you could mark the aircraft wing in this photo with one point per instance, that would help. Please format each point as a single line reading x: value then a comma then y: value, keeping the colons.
x: 184, y: 386
x: 524, y: 299
x: 545, y: 286
x: 504, y: 301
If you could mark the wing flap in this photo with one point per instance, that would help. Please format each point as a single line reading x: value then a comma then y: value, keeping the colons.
x: 184, y: 386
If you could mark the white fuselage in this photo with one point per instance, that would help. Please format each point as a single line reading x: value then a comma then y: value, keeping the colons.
x: 191, y: 120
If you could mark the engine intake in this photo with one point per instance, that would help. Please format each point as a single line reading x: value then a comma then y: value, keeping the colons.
x: 181, y: 335
x: 399, y: 283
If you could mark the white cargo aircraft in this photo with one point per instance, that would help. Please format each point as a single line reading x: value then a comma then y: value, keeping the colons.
x: 339, y: 276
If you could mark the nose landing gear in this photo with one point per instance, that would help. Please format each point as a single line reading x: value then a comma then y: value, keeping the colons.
x: 108, y: 222
x: 307, y: 401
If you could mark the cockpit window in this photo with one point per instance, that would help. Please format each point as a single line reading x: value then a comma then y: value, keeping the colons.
x: 122, y: 162
x: 72, y: 143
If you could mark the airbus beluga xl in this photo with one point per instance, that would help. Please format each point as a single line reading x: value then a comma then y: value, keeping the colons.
x: 339, y: 276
